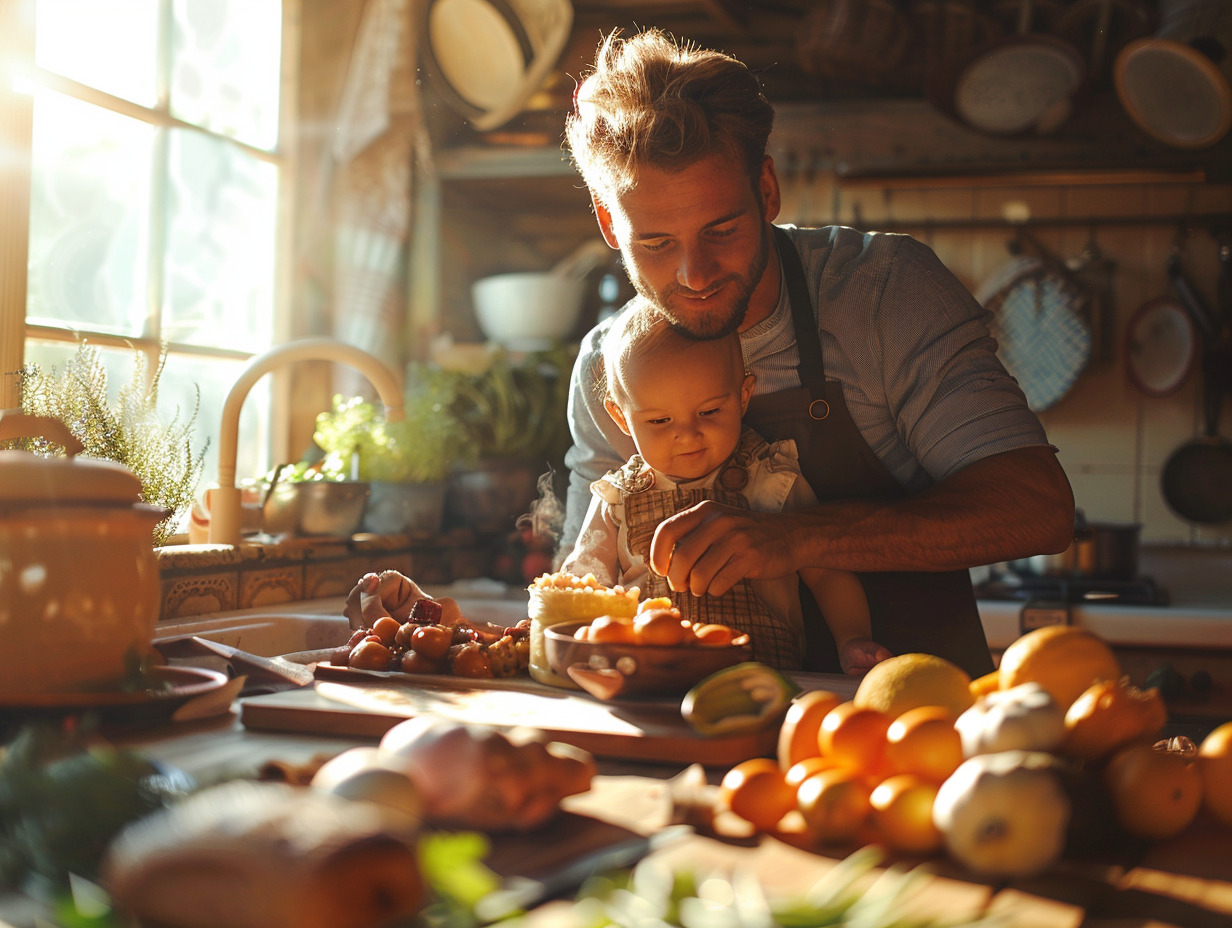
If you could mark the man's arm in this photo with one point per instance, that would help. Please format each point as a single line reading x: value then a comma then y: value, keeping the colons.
x: 598, y: 444
x: 1002, y: 507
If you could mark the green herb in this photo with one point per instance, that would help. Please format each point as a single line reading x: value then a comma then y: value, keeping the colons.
x: 422, y: 448
x: 847, y: 896
x: 160, y: 454
x: 513, y: 408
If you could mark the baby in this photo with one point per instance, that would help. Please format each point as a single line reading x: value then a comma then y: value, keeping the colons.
x: 681, y: 401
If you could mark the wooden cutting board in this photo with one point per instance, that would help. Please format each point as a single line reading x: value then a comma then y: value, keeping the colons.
x: 367, y: 704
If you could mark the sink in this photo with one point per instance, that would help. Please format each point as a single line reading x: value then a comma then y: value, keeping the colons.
x: 315, y: 624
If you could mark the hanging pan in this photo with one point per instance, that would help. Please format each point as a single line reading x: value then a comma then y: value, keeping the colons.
x: 1197, y: 477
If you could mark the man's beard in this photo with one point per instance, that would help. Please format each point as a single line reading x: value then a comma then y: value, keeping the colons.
x: 712, y: 323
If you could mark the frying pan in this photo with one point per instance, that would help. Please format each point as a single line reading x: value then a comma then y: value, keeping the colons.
x: 1197, y: 477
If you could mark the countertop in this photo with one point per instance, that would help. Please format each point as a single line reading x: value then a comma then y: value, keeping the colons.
x: 1176, y: 625
x: 1185, y: 882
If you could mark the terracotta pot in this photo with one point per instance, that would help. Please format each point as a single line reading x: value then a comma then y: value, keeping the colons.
x: 79, y: 585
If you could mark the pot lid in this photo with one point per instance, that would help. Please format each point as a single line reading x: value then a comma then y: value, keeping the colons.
x: 1160, y: 346
x: 28, y: 479
x: 1023, y: 84
x: 1174, y: 92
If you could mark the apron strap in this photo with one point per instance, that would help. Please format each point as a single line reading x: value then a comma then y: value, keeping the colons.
x: 811, y: 369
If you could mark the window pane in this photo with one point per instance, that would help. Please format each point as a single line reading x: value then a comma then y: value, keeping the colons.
x: 108, y: 44
x: 89, y: 217
x: 226, y: 67
x: 219, y: 275
x: 215, y: 377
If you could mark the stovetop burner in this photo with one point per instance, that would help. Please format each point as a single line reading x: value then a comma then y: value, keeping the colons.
x: 1140, y: 591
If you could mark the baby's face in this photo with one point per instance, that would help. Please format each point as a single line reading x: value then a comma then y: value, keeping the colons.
x: 682, y: 408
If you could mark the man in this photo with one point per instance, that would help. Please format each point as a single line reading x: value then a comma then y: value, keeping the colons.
x: 867, y: 351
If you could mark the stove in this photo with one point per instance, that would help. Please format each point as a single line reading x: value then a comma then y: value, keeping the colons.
x: 1139, y: 591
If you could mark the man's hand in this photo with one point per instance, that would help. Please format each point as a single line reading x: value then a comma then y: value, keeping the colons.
x: 710, y: 547
x: 1009, y: 505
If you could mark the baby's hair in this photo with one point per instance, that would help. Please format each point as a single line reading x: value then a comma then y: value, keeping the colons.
x: 638, y: 330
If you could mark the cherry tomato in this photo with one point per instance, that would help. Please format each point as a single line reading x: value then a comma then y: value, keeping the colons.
x: 431, y: 640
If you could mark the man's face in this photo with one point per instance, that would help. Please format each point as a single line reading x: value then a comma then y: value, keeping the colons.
x: 696, y: 243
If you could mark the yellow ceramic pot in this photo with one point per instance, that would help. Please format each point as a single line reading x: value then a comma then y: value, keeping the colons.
x: 79, y: 586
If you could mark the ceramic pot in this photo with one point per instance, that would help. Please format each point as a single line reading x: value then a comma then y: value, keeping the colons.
x: 405, y: 508
x: 79, y: 584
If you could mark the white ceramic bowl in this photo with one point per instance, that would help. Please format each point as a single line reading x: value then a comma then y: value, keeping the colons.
x: 528, y: 310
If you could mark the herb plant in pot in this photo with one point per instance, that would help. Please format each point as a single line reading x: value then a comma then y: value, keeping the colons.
x: 406, y: 464
x: 514, y: 412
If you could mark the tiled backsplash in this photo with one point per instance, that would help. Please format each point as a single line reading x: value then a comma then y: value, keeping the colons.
x: 201, y: 579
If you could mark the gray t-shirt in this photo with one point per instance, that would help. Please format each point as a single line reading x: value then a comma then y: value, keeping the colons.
x: 905, y: 338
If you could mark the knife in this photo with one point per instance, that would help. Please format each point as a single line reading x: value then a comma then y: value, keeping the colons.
x: 278, y: 667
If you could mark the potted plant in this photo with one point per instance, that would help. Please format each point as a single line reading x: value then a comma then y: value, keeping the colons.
x: 514, y: 411
x: 128, y: 431
x: 405, y: 463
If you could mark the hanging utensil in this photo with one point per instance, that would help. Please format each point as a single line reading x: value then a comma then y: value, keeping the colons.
x: 1161, y: 345
x: 1197, y: 477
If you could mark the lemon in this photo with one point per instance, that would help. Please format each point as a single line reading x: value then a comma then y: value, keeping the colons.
x: 743, y: 698
x: 906, y: 681
x: 1063, y: 659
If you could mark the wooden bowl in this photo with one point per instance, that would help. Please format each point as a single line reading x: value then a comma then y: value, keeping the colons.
x: 608, y: 670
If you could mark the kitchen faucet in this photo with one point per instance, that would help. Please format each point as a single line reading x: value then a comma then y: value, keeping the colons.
x: 224, y: 502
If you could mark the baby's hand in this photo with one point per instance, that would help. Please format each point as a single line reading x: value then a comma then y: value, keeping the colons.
x: 858, y: 655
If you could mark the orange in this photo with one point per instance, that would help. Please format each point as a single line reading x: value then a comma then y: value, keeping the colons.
x: 1063, y: 659
x: 661, y: 627
x: 757, y: 791
x: 1108, y: 714
x: 981, y: 686
x: 855, y: 737
x: 902, y: 814
x: 1215, y: 768
x: 612, y: 628
x: 905, y: 681
x: 798, y: 733
x: 923, y: 741
x: 799, y: 771
x: 1155, y: 794
x: 713, y: 636
x: 834, y: 804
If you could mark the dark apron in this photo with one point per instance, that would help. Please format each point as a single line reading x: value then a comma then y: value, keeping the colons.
x: 912, y: 611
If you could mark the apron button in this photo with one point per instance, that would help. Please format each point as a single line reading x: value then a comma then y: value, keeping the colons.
x: 819, y: 409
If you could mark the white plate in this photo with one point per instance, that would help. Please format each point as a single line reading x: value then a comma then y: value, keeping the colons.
x: 1160, y: 346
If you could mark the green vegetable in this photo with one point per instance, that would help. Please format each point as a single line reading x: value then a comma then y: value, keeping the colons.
x: 62, y: 800
x: 745, y: 698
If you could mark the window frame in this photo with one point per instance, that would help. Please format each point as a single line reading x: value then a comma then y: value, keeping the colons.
x: 16, y: 138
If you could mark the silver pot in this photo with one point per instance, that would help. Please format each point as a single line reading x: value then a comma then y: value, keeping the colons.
x: 1099, y: 551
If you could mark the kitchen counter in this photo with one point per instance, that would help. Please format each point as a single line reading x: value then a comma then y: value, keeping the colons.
x: 1177, y: 625
x: 1183, y: 882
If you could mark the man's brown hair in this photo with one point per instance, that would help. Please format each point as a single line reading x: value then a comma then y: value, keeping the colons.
x: 652, y: 101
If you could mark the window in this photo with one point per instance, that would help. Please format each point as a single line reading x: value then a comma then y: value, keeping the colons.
x: 155, y: 186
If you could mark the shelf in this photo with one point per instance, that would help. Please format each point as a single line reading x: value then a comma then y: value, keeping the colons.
x: 507, y: 162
